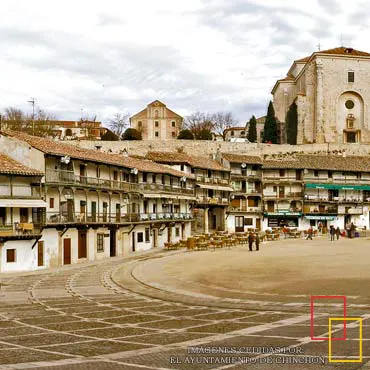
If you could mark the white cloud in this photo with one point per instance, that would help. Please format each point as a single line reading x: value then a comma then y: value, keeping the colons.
x: 111, y: 56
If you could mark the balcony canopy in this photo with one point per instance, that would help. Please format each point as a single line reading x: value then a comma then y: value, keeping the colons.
x: 337, y: 187
x: 24, y: 203
x: 215, y: 187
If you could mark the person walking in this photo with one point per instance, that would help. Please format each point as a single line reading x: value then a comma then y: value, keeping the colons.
x: 337, y: 232
x: 257, y: 242
x: 250, y: 242
x: 352, y: 229
x: 309, y: 233
x: 332, y: 233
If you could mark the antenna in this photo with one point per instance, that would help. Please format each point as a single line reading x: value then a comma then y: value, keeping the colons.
x: 318, y: 46
x: 32, y: 101
x: 341, y: 39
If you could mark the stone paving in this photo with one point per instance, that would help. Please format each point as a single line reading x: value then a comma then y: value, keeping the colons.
x: 165, y: 310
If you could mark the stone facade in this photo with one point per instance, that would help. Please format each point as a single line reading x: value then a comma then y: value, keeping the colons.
x: 331, y: 90
x: 157, y: 122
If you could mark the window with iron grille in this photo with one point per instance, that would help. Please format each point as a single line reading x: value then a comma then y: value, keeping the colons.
x: 100, y: 243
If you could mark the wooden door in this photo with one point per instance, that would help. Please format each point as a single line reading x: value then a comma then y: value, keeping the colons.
x: 93, y: 211
x: 82, y: 174
x: 169, y: 234
x: 70, y: 210
x: 66, y: 251
x: 82, y: 244
x: 23, y: 214
x: 155, y: 238
x: 281, y: 192
x: 118, y: 212
x: 270, y: 206
x: 2, y: 215
x: 239, y: 224
x: 113, y: 242
x: 40, y: 253
x: 258, y: 223
x: 133, y: 241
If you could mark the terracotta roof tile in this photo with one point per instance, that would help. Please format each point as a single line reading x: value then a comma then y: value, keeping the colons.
x: 336, y: 51
x: 61, y: 149
x: 10, y: 166
x: 241, y: 158
x: 194, y: 161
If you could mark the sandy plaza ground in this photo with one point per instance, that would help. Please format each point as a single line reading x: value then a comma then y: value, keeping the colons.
x: 215, y: 309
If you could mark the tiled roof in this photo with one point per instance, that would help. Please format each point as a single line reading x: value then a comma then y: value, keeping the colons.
x: 335, y: 162
x: 144, y: 113
x: 236, y: 128
x: 321, y: 162
x: 61, y: 149
x: 303, y: 60
x: 344, y: 51
x: 11, y: 167
x: 194, y: 161
x: 241, y: 158
x: 337, y: 51
x: 281, y: 163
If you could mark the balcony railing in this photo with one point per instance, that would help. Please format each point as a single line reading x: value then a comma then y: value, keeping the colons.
x: 336, y: 180
x: 323, y: 210
x: 274, y: 195
x: 71, y: 178
x: 335, y: 199
x: 212, y: 180
x: 246, y: 209
x: 248, y: 191
x: 19, y: 191
x: 20, y: 229
x: 246, y: 174
x: 212, y: 200
x: 53, y: 218
x: 276, y: 178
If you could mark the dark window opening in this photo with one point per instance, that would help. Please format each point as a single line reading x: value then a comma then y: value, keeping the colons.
x: 351, y: 76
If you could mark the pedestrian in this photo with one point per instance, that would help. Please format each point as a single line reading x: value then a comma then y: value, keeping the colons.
x: 332, y: 233
x: 309, y: 233
x: 250, y: 242
x: 337, y: 232
x: 319, y: 226
x: 257, y: 242
x: 352, y: 229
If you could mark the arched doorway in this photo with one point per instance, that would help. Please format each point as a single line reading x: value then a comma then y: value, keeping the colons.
x: 350, y: 117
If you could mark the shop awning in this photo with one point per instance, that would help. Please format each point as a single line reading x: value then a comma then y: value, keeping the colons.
x: 215, y: 187
x: 337, y: 187
x: 320, y: 217
x: 24, y: 203
x: 283, y: 214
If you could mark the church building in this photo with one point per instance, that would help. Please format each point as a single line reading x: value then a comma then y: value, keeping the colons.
x: 157, y: 122
x: 331, y: 89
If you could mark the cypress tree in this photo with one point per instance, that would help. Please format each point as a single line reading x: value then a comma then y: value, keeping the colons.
x: 270, y: 128
x: 292, y: 124
x: 252, y: 130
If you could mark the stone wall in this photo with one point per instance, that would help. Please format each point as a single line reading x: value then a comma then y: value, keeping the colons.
x: 206, y: 148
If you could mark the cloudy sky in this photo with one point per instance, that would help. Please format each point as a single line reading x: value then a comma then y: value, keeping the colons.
x: 102, y: 57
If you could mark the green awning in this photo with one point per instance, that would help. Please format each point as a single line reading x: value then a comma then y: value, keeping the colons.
x: 337, y: 187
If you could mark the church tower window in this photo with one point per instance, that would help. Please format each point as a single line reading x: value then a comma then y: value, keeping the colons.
x: 351, y: 76
x: 349, y: 104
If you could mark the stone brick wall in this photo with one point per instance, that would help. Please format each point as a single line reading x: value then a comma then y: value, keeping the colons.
x: 206, y: 148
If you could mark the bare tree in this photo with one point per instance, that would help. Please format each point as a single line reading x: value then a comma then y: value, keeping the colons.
x: 17, y: 120
x: 221, y: 122
x: 198, y: 122
x: 119, y: 123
